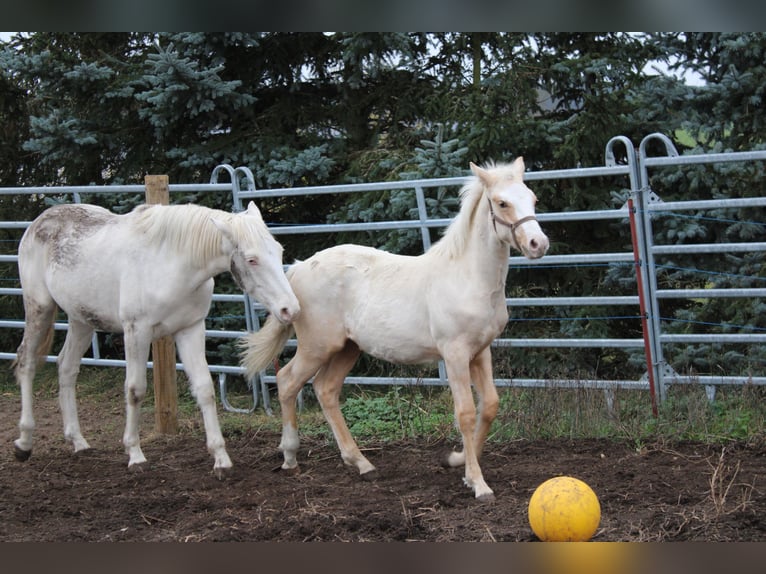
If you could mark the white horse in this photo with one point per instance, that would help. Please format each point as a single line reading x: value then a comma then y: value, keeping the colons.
x: 447, y: 303
x: 147, y: 274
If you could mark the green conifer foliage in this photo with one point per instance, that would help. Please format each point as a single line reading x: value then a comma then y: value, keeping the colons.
x: 319, y: 108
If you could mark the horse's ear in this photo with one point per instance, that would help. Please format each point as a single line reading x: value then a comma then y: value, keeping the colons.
x: 482, y: 174
x: 518, y: 167
x: 252, y: 209
x: 225, y: 230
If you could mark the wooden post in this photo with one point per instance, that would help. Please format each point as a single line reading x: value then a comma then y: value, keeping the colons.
x: 164, y: 349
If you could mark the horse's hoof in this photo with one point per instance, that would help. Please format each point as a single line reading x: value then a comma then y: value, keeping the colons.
x: 293, y: 471
x: 370, y: 475
x: 222, y: 472
x: 21, y: 454
x: 486, y: 498
x: 138, y: 467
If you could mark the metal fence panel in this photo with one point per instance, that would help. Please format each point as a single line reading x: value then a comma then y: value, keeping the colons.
x: 635, y: 174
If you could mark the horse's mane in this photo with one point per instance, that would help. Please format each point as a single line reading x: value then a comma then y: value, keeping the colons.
x: 188, y: 229
x: 453, y: 242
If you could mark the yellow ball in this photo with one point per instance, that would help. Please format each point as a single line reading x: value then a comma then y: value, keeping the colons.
x: 564, y: 509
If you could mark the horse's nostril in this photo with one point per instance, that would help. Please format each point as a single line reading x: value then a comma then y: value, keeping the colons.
x: 288, y: 314
x: 533, y: 244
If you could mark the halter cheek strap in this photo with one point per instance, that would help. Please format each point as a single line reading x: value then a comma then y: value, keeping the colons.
x: 512, y: 226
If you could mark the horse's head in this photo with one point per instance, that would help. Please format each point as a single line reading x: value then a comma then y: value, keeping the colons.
x: 256, y: 263
x: 512, y: 208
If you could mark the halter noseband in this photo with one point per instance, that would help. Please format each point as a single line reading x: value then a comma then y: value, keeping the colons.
x: 512, y: 226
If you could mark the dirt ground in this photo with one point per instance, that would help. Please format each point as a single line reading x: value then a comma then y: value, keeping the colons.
x: 669, y: 492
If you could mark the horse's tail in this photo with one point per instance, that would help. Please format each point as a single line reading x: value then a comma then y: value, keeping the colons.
x: 259, y: 349
x: 46, y: 344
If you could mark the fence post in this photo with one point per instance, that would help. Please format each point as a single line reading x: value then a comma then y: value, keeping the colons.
x: 164, y: 349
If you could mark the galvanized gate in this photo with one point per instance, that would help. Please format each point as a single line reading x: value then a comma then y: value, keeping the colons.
x: 648, y: 204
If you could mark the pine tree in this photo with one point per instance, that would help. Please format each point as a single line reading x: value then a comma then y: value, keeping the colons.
x: 434, y: 159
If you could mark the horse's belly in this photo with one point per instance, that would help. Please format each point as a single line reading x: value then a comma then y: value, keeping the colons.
x: 400, y: 350
x: 105, y: 302
x: 92, y: 306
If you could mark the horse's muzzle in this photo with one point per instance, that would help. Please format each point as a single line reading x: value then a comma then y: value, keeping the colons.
x: 536, y: 246
x: 289, y: 313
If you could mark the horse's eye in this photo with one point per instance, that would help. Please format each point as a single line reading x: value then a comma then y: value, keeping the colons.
x: 502, y: 204
x: 252, y: 261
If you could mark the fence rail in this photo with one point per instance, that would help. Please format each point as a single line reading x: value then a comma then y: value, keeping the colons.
x: 646, y: 300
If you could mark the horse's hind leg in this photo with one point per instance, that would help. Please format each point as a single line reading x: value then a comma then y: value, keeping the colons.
x: 290, y: 380
x: 191, y: 350
x: 77, y: 340
x: 327, y: 386
x: 38, y: 330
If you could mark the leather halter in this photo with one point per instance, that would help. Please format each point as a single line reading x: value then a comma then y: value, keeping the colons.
x: 512, y: 226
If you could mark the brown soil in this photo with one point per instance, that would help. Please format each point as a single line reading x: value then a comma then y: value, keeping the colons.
x: 684, y: 491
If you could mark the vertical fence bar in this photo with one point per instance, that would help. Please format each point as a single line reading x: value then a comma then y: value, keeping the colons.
x: 252, y: 323
x: 164, y: 349
x: 641, y: 282
x: 425, y: 234
x: 644, y: 216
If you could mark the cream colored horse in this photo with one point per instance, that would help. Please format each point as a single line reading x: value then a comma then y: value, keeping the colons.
x: 448, y: 303
x: 146, y: 274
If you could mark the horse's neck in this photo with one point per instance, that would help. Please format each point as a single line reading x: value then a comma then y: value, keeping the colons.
x: 484, y: 257
x: 217, y: 265
x: 485, y: 252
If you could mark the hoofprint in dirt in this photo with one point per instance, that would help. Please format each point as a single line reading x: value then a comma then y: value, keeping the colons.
x: 684, y: 491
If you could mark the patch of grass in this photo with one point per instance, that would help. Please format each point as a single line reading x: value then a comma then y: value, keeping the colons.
x: 573, y: 412
x: 738, y: 413
x: 379, y: 413
x: 400, y: 412
x: 91, y: 381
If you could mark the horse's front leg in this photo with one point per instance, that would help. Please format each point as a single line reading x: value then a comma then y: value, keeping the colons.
x: 484, y: 382
x: 191, y: 349
x: 137, y: 344
x: 458, y: 373
x: 78, y: 339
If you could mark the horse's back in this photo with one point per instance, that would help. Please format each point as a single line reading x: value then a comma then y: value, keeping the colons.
x: 59, y: 252
x: 372, y: 297
x: 349, y: 270
x: 55, y: 238
x: 64, y: 226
